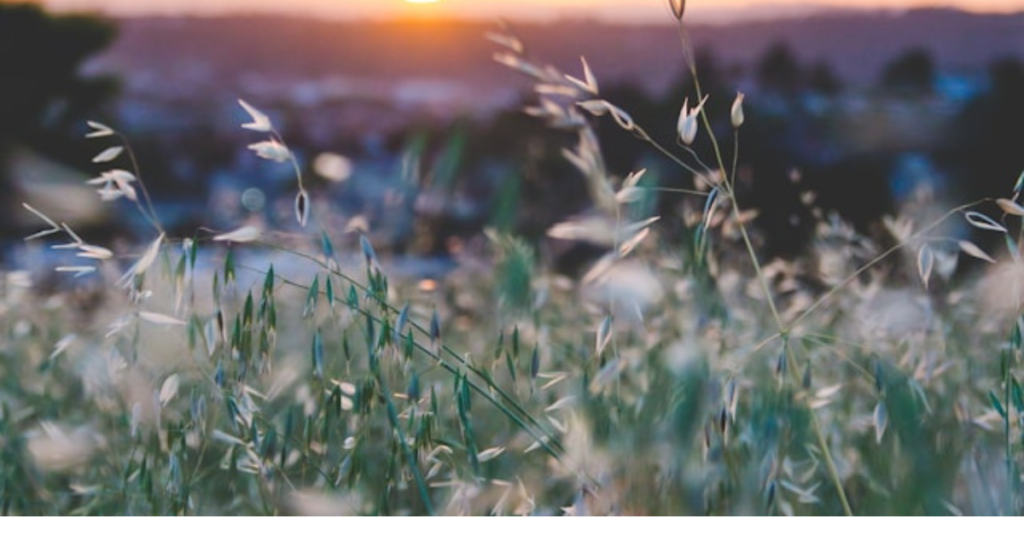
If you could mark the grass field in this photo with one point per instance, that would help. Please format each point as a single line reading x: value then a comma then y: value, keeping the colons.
x: 258, y: 372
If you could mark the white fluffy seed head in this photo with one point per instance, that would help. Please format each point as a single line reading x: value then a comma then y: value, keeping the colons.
x: 688, y: 121
x: 271, y: 150
x: 248, y: 233
x: 736, y: 115
x: 260, y: 122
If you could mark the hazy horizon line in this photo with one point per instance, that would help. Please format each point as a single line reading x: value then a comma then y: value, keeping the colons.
x: 617, y: 15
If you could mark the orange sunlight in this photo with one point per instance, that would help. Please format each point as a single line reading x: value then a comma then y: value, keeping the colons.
x: 633, y: 10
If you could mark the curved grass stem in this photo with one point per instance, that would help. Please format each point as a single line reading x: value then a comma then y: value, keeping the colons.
x: 819, y: 434
x: 507, y: 403
x: 410, y: 456
x: 147, y: 211
x: 873, y: 262
x: 730, y: 193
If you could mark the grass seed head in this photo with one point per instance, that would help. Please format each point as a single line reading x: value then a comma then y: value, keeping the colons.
x: 736, y: 113
x: 678, y: 8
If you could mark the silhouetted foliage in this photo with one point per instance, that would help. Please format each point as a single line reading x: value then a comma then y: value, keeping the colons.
x: 823, y: 80
x: 779, y: 71
x: 984, y: 150
x: 912, y: 72
x: 44, y: 98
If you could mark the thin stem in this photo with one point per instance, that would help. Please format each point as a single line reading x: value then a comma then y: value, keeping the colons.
x: 689, y: 150
x: 151, y: 216
x: 833, y: 472
x: 857, y: 273
x: 688, y: 51
x: 731, y: 194
x: 1008, y: 445
x: 436, y: 355
x: 837, y: 481
x: 675, y: 190
x: 1012, y: 477
x: 547, y: 440
x: 410, y: 457
x: 828, y: 341
x: 735, y: 156
x: 757, y: 264
x: 727, y: 188
x: 291, y: 158
x: 644, y: 136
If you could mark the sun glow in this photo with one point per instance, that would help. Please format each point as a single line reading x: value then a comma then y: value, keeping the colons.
x: 612, y: 10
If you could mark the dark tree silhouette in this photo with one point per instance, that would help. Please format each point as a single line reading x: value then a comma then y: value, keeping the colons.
x: 985, y: 148
x: 910, y: 73
x: 44, y: 98
x: 779, y: 71
x: 823, y: 80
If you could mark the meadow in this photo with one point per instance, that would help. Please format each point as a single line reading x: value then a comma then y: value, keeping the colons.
x: 284, y: 371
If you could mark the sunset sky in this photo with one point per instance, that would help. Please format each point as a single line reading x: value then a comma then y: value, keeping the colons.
x: 613, y: 9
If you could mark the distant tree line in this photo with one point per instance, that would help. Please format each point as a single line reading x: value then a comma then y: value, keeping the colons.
x: 978, y: 151
x: 44, y: 97
x: 45, y: 100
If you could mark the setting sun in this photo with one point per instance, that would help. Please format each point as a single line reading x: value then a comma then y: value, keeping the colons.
x: 615, y: 10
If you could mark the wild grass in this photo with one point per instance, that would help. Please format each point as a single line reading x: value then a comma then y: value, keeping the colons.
x: 267, y: 372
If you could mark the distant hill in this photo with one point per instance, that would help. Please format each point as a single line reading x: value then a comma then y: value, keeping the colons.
x: 193, y: 54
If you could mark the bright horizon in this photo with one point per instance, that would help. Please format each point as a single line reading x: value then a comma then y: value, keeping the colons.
x: 638, y: 10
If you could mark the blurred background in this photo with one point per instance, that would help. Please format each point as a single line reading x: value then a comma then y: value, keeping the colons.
x: 402, y: 119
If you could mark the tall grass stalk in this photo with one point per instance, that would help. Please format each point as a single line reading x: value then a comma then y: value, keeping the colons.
x: 641, y: 384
